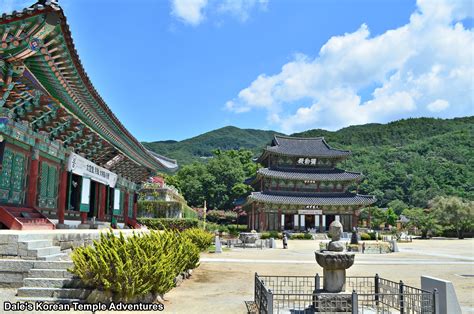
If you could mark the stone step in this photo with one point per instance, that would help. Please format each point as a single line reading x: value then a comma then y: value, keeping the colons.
x: 49, y: 273
x: 51, y: 282
x: 53, y: 257
x: 68, y: 293
x: 52, y: 264
x: 44, y: 251
x: 35, y: 244
x: 24, y: 237
x: 47, y: 300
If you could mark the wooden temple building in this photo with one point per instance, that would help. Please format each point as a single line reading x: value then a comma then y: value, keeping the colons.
x: 300, y: 187
x: 64, y: 156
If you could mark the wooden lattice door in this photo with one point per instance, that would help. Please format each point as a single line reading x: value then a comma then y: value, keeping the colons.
x: 12, y: 177
x: 48, y: 190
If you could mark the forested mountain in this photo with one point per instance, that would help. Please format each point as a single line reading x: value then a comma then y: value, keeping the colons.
x: 410, y: 160
x: 201, y: 146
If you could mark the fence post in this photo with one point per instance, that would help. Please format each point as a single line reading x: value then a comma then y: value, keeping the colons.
x: 354, y: 302
x: 255, y: 288
x: 270, y: 302
x: 402, y: 303
x: 435, y: 301
x: 317, y: 287
x: 377, y: 288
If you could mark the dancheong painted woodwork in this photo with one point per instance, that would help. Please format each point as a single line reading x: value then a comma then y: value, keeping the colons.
x: 50, y: 113
x: 301, y: 188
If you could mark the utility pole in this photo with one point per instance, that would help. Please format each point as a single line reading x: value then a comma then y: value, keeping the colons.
x: 204, y: 215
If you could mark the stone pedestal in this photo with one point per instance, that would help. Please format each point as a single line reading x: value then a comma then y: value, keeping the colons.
x: 332, y: 302
x: 218, y: 245
x: 334, y: 266
x: 62, y: 226
x: 84, y: 226
x: 334, y: 280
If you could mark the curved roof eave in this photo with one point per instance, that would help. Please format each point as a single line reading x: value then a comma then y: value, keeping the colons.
x: 144, y: 157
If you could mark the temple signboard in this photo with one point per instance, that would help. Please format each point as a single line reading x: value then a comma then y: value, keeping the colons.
x: 86, y: 168
x: 310, y: 212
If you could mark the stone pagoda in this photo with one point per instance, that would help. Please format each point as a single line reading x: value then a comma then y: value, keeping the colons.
x: 301, y: 188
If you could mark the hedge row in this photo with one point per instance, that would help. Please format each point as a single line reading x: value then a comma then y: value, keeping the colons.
x: 179, y: 224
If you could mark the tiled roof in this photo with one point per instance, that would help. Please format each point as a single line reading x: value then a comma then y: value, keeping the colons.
x: 168, y: 163
x: 321, y: 175
x: 341, y: 199
x: 304, y: 147
x: 58, y: 67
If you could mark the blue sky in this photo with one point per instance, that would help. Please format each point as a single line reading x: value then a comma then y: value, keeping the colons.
x: 175, y: 69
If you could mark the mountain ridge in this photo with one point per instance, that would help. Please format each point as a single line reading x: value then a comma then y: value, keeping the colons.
x: 396, y: 134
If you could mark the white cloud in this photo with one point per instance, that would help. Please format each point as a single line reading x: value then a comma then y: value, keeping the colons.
x: 193, y: 11
x: 189, y: 11
x: 421, y: 68
x: 438, y: 105
x: 241, y: 8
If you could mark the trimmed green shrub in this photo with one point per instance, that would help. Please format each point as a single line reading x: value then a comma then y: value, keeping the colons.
x: 301, y: 236
x: 213, y: 227
x: 223, y: 217
x: 373, y: 235
x: 271, y: 234
x: 202, y: 239
x: 365, y: 236
x: 236, y: 229
x: 179, y: 224
x: 132, y: 267
x: 188, y: 212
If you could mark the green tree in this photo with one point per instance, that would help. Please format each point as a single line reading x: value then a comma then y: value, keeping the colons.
x: 421, y: 219
x: 219, y: 181
x: 375, y: 215
x: 391, y: 217
x: 454, y: 213
x: 397, y: 206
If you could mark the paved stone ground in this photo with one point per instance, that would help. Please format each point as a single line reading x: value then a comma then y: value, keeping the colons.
x: 224, y: 281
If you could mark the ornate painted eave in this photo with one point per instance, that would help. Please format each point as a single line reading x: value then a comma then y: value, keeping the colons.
x: 37, y: 42
x: 322, y: 175
x: 348, y: 199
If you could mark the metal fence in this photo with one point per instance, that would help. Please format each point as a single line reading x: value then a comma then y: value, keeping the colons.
x: 303, y: 295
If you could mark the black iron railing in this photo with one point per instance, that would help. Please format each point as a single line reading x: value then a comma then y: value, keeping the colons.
x: 303, y: 294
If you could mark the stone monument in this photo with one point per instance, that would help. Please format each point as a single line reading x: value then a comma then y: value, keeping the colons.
x: 334, y: 261
x: 354, y: 237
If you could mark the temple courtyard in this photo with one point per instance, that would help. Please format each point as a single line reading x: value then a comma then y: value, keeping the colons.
x: 224, y: 281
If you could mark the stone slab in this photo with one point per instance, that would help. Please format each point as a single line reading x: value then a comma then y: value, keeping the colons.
x: 9, y: 249
x: 15, y: 265
x: 447, y: 300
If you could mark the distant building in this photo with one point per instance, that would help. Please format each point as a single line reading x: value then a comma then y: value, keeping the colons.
x: 159, y: 200
x: 300, y: 187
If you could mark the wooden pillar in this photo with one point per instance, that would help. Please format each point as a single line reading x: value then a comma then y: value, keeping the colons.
x: 103, y: 202
x: 125, y: 209
x: 62, y: 195
x: 252, y: 227
x: 261, y: 220
x: 369, y: 218
x: 32, y: 189
x: 135, y: 207
x: 355, y: 219
x: 321, y: 228
x: 83, y: 217
x: 279, y: 220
